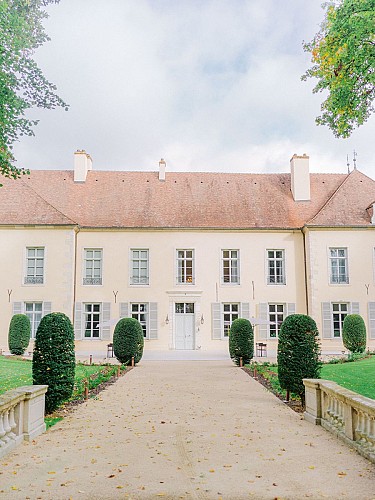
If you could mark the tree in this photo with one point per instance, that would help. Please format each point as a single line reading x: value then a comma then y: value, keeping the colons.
x: 298, y: 353
x: 241, y: 341
x: 54, y: 358
x: 22, y: 83
x: 128, y: 340
x: 343, y: 57
x: 354, y: 333
x: 19, y: 334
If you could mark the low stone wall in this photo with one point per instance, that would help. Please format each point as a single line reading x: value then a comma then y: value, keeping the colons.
x: 21, y: 416
x: 345, y: 413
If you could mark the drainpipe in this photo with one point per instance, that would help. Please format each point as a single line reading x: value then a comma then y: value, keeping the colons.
x: 76, y: 231
x: 305, y: 269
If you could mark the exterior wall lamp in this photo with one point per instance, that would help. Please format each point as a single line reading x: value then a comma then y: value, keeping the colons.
x: 202, y: 319
x: 167, y: 320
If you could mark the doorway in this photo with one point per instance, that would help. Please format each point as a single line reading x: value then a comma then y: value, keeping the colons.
x: 185, y: 320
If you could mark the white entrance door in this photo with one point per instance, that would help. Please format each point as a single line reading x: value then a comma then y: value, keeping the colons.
x: 184, y: 333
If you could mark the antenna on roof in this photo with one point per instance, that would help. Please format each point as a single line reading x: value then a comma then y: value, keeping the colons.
x: 355, y: 159
x: 347, y: 163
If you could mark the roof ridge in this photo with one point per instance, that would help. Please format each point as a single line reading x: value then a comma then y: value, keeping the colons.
x: 47, y: 202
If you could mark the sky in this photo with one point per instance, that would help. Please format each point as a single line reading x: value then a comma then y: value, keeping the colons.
x: 208, y: 85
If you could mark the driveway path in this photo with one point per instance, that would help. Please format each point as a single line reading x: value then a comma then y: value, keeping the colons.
x: 185, y: 430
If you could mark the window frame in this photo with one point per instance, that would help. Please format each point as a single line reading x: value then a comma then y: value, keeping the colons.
x: 85, y: 313
x: 183, y: 260
x: 225, y: 324
x: 342, y: 314
x: 33, y: 322
x: 136, y: 315
x: 331, y: 259
x: 276, y: 313
x: 230, y: 259
x: 132, y: 278
x: 275, y: 260
x: 34, y: 279
x: 92, y: 280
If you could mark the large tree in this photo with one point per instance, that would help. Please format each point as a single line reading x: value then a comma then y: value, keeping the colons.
x: 22, y: 83
x: 343, y: 57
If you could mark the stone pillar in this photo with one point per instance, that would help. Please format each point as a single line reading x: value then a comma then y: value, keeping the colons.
x: 313, y: 412
x: 33, y: 410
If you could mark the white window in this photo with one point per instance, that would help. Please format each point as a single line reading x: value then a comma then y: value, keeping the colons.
x: 139, y: 311
x: 338, y: 265
x: 34, y: 266
x: 93, y: 266
x: 92, y: 315
x: 339, y: 312
x: 275, y: 267
x: 230, y: 266
x: 230, y: 313
x: 34, y: 311
x: 185, y: 266
x: 139, y: 272
x: 276, y: 315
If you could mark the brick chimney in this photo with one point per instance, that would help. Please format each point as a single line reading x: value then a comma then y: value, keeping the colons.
x: 300, y: 177
x: 162, y: 166
x: 82, y: 164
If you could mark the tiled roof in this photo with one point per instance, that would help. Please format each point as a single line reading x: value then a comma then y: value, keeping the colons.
x: 183, y: 200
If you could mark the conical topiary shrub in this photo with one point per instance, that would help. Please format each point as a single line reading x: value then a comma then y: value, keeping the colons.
x: 241, y: 341
x: 128, y: 341
x: 19, y: 334
x: 354, y: 333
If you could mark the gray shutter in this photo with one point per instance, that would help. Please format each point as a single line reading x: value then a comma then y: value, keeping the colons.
x: 290, y: 309
x: 216, y: 320
x: 106, y: 316
x: 124, y: 310
x: 47, y: 308
x: 263, y: 314
x: 326, y: 320
x: 17, y: 308
x: 354, y: 308
x: 371, y: 319
x: 153, y: 320
x: 245, y: 310
x: 78, y: 321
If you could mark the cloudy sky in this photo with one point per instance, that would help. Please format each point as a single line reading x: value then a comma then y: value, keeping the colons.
x: 209, y: 85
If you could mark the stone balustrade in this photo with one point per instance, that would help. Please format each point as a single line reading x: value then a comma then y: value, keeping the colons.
x: 345, y: 413
x: 21, y: 416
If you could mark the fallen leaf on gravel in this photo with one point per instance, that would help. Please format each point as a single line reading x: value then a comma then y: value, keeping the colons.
x: 160, y: 494
x: 341, y: 473
x: 211, y: 470
x: 311, y: 466
x: 111, y: 475
x: 52, y: 472
x: 119, y: 487
x: 14, y: 488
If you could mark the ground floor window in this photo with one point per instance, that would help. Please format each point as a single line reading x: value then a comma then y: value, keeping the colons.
x: 139, y: 311
x: 339, y: 312
x: 230, y: 313
x: 92, y: 314
x: 276, y: 314
x: 34, y: 311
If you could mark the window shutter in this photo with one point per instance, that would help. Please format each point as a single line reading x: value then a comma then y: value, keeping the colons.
x: 47, y: 308
x: 106, y: 330
x: 371, y: 319
x: 216, y: 320
x: 17, y: 308
x: 78, y: 321
x: 326, y: 320
x: 153, y: 320
x: 124, y: 310
x: 245, y: 310
x: 263, y: 315
x: 354, y: 308
x: 290, y: 309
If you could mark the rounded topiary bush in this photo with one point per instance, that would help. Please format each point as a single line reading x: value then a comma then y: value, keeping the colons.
x: 54, y: 359
x: 128, y: 340
x: 298, y: 353
x: 241, y: 341
x: 354, y: 333
x: 19, y: 334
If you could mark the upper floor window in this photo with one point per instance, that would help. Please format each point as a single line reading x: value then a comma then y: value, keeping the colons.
x: 185, y: 266
x: 139, y: 272
x: 339, y: 312
x: 34, y: 266
x: 230, y: 266
x: 276, y: 314
x: 275, y: 267
x: 140, y: 313
x: 92, y: 315
x: 230, y: 313
x: 338, y: 265
x: 34, y: 311
x: 93, y: 266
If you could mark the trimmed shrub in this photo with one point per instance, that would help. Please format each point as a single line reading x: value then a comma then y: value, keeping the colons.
x: 241, y: 341
x: 298, y: 353
x: 128, y: 340
x: 54, y: 359
x: 354, y: 333
x: 19, y: 334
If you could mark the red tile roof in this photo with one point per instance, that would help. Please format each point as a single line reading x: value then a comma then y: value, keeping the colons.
x: 184, y: 200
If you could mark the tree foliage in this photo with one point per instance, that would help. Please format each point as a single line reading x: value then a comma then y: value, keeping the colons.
x: 343, y: 57
x: 354, y: 333
x: 241, y: 341
x: 19, y: 334
x: 128, y: 340
x: 298, y: 352
x: 22, y: 83
x: 54, y: 358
